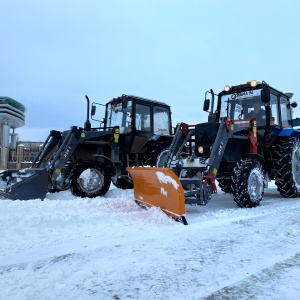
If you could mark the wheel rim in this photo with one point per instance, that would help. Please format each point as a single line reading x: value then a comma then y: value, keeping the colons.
x: 296, y: 165
x: 255, y: 184
x: 91, y: 180
x: 162, y: 158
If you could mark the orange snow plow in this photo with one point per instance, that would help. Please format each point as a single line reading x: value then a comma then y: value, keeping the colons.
x: 159, y: 187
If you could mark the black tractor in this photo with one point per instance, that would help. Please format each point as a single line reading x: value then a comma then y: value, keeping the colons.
x: 248, y: 140
x: 134, y: 132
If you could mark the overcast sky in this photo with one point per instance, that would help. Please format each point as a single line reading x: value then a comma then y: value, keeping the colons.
x: 54, y: 52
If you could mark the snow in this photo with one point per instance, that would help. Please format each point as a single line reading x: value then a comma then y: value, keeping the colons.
x: 163, y: 192
x: 166, y: 179
x: 110, y: 248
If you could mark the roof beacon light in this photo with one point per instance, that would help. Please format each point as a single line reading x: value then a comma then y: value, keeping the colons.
x: 226, y: 88
x: 253, y: 83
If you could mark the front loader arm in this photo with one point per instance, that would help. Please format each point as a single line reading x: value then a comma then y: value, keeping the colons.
x: 47, y: 150
x: 32, y: 183
x: 219, y: 146
x: 66, y: 150
x: 226, y: 131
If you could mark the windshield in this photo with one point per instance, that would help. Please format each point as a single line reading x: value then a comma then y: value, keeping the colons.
x: 242, y: 105
x: 161, y: 120
x: 119, y: 116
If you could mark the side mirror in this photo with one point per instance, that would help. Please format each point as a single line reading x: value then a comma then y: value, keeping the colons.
x: 265, y: 95
x: 206, y: 105
x: 93, y: 111
x: 294, y: 104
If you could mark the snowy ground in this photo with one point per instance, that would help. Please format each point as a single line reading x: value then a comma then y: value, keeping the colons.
x: 109, y: 248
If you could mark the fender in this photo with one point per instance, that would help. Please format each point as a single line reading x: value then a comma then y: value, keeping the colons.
x: 257, y: 157
x: 111, y: 166
x: 156, y: 137
x: 289, y: 132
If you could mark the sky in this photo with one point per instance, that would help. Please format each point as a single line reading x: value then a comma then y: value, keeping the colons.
x: 109, y: 248
x: 55, y: 52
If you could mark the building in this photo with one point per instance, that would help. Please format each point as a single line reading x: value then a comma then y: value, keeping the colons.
x: 12, y: 116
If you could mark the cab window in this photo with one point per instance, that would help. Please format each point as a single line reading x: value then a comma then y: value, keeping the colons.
x: 274, y: 109
x: 285, y: 112
x: 142, y: 118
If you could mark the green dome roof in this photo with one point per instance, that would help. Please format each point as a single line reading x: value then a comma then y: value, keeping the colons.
x: 13, y: 103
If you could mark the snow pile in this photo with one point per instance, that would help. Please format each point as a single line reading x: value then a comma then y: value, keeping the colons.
x: 110, y: 248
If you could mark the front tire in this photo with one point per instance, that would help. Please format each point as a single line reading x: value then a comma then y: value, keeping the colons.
x: 288, y: 168
x: 157, y: 156
x: 248, y: 183
x: 90, y: 179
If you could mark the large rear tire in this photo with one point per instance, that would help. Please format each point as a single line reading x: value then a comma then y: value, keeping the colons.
x: 288, y: 167
x: 89, y: 179
x: 248, y: 183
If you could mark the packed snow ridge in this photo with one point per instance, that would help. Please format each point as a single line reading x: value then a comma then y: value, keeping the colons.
x: 110, y: 248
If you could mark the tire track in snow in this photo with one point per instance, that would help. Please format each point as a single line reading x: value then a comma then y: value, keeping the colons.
x: 221, y: 217
x: 252, y: 287
x: 36, y: 264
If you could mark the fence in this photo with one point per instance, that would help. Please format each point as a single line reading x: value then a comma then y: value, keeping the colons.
x: 23, y: 155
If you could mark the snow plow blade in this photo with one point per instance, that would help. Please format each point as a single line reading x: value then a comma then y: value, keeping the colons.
x: 159, y: 187
x: 25, y: 184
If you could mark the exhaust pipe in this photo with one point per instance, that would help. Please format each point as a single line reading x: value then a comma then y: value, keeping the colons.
x: 87, y: 124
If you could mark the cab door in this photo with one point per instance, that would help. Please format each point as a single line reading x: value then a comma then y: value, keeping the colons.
x: 143, y: 127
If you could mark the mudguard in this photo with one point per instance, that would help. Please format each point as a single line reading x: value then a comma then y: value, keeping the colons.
x: 159, y: 187
x: 289, y: 132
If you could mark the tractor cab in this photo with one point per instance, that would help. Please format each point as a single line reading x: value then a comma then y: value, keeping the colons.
x: 140, y: 114
x: 272, y: 109
x: 140, y: 120
x: 256, y: 100
x: 256, y: 117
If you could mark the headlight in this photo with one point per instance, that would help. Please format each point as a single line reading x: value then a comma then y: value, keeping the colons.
x: 200, y: 149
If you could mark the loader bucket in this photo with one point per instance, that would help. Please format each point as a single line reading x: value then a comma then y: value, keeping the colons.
x: 25, y: 184
x: 159, y: 187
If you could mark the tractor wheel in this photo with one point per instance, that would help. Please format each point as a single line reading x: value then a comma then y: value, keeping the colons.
x: 288, y: 168
x: 248, y: 183
x: 157, y: 156
x: 89, y: 179
x: 161, y: 158
x: 225, y: 185
x: 124, y: 183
